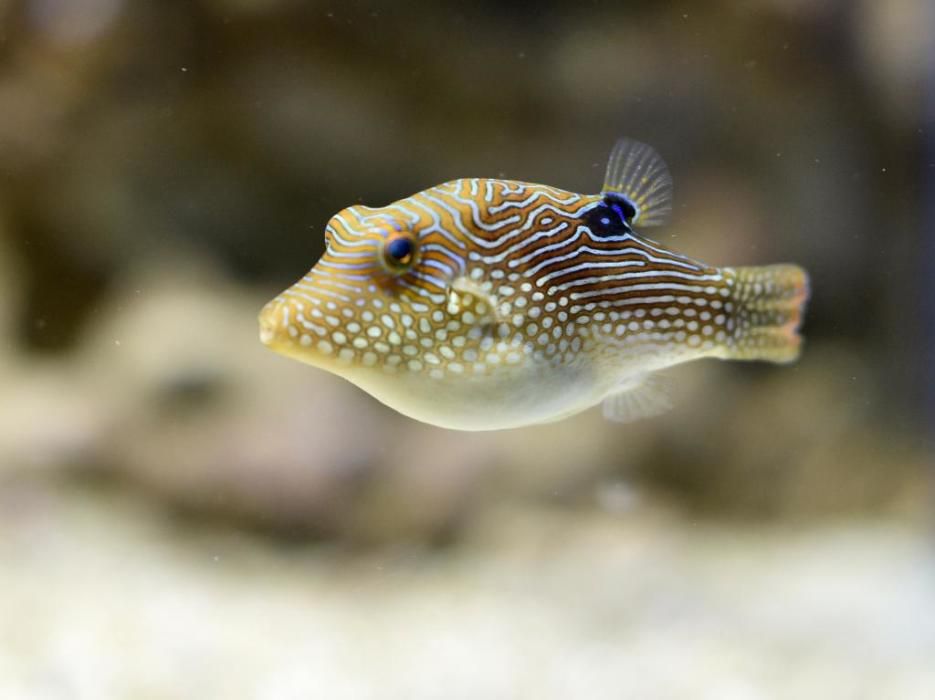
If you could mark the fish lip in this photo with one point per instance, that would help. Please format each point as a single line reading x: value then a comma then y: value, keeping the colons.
x: 268, y: 324
x: 266, y: 334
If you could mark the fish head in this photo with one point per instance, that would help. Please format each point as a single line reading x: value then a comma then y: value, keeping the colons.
x: 373, y: 302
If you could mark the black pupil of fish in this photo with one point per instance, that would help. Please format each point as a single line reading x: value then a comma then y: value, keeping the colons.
x: 610, y: 218
x: 399, y: 250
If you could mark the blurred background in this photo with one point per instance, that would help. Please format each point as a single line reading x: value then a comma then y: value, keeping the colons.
x: 184, y: 514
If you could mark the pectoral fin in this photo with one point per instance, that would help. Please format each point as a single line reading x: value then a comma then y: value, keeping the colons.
x: 641, y: 396
x: 466, y: 295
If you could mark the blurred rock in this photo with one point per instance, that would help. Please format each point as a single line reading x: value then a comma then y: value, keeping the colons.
x: 50, y: 418
x: 792, y: 442
x: 212, y: 420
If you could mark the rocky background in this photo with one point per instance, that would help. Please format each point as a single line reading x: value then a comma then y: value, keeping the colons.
x: 185, y: 515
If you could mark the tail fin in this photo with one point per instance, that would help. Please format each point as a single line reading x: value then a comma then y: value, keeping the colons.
x: 768, y: 306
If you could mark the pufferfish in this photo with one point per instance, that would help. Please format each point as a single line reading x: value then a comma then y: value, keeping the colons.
x: 483, y: 304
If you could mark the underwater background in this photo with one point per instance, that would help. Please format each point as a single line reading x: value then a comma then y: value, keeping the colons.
x: 184, y: 514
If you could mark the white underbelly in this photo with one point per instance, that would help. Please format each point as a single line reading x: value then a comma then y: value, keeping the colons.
x: 505, y: 398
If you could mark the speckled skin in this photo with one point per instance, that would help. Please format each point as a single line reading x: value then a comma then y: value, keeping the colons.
x: 517, y: 306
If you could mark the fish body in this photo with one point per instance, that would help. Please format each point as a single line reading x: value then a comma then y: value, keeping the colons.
x: 484, y: 304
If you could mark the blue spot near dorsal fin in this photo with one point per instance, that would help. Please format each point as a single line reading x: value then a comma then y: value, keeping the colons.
x: 620, y: 201
x: 609, y: 218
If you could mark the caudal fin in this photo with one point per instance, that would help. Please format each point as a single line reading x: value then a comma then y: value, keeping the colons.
x: 768, y: 303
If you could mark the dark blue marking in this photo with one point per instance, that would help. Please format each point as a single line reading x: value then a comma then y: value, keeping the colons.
x: 622, y: 200
x: 609, y: 218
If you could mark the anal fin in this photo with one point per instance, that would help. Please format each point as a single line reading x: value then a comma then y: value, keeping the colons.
x: 637, y: 397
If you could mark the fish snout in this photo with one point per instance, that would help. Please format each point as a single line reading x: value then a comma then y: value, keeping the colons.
x: 274, y: 323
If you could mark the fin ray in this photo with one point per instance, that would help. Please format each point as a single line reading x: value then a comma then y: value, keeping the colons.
x: 642, y: 396
x: 639, y: 176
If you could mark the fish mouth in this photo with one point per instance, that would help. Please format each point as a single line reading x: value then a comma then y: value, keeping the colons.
x: 269, y: 324
x: 279, y: 333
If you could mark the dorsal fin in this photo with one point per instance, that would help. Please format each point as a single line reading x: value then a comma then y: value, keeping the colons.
x: 638, y: 176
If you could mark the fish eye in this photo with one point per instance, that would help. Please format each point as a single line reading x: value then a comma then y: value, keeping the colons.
x: 399, y: 251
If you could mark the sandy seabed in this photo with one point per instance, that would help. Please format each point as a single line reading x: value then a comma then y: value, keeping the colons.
x: 105, y: 596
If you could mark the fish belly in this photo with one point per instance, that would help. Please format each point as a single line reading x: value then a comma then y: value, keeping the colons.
x: 497, y: 401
